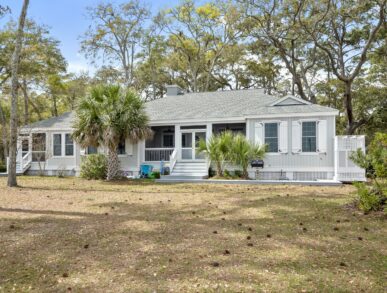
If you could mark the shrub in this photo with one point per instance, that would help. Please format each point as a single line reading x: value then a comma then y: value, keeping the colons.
x: 373, y: 197
x: 242, y: 151
x: 370, y: 198
x: 155, y: 175
x: 94, y: 167
x: 238, y: 173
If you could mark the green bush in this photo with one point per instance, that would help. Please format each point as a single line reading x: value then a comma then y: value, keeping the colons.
x: 373, y: 197
x: 155, y: 175
x: 94, y: 167
x: 370, y: 198
x: 238, y: 173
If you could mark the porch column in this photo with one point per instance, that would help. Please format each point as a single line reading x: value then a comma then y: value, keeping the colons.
x: 178, y: 141
x: 208, y: 131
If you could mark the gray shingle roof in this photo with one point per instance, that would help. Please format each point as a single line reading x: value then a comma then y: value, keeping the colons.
x: 63, y: 121
x: 209, y: 105
x: 223, y: 105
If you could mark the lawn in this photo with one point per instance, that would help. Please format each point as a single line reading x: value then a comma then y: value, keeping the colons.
x: 72, y: 235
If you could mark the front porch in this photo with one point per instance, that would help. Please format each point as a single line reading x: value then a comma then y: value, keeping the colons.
x: 176, y: 146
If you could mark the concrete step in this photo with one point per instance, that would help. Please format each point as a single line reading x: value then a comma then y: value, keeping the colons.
x: 189, y: 168
x: 180, y: 177
x: 188, y: 174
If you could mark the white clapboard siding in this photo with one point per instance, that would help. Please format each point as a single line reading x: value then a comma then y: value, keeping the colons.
x: 322, y: 136
x: 128, y: 147
x: 296, y: 137
x: 259, y: 135
x: 82, y: 151
x: 283, y: 137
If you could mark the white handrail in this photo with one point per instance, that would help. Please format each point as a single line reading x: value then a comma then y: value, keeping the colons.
x: 26, y: 160
x: 172, y: 160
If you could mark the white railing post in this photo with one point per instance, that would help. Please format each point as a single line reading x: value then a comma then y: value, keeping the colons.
x: 172, y: 160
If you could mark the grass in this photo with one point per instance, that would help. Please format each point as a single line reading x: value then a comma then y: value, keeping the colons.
x: 59, y: 235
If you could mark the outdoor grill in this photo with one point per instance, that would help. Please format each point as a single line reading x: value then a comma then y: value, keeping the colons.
x: 257, y: 163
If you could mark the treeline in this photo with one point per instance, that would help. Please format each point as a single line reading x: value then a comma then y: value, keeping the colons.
x: 331, y: 52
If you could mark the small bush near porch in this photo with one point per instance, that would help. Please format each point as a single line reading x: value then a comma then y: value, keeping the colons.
x: 59, y: 235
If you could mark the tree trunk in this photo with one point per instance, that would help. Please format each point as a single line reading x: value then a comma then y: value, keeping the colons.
x: 113, y: 164
x: 26, y: 102
x: 348, y: 108
x: 4, y: 139
x: 14, y: 89
x: 54, y: 106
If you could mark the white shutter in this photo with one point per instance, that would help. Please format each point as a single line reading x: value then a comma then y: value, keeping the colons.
x: 322, y: 136
x: 82, y: 151
x: 259, y: 138
x: 283, y: 137
x: 296, y: 137
x: 128, y: 147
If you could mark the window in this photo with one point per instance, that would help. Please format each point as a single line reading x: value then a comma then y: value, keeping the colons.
x: 309, y: 136
x: 168, y: 140
x: 57, y: 145
x: 271, y: 137
x: 69, y: 145
x: 92, y: 150
x: 121, y: 148
x: 38, y: 147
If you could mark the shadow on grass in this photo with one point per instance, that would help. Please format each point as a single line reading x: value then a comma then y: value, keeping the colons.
x: 159, y: 246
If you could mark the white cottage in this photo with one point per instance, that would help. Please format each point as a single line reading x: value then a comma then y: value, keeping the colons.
x: 301, y: 139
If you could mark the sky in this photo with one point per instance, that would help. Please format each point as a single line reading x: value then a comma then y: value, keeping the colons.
x: 67, y: 21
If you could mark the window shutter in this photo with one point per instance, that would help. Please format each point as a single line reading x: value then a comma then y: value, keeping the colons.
x: 283, y: 137
x: 128, y: 147
x: 322, y: 136
x: 296, y: 137
x: 259, y: 138
x: 82, y: 151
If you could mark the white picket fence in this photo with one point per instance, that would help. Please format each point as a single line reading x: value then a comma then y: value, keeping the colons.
x: 345, y: 169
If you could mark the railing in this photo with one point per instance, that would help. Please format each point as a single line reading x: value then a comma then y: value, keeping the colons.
x: 23, y: 164
x: 173, y: 160
x: 158, y: 154
x: 26, y: 161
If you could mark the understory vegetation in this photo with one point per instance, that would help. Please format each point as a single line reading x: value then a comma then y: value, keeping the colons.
x: 372, y: 196
x: 225, y: 148
x: 94, y: 166
x: 71, y: 234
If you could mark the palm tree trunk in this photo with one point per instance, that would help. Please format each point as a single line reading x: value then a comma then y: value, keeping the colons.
x: 14, y: 89
x: 113, y: 164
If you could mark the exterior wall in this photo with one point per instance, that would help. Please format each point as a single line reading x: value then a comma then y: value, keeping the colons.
x: 71, y: 165
x: 67, y: 164
x: 297, y: 164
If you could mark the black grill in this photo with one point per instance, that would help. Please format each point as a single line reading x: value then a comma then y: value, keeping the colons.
x: 257, y: 164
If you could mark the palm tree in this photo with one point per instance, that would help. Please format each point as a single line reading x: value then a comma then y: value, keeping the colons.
x: 243, y: 151
x: 217, y: 149
x: 108, y: 116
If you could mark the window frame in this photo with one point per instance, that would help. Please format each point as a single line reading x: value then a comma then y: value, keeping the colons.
x: 53, y: 145
x: 87, y: 150
x: 63, y: 145
x: 163, y: 140
x: 316, y: 137
x: 264, y: 135
x: 124, y: 154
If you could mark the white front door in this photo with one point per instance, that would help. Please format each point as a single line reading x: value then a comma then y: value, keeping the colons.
x: 189, y: 143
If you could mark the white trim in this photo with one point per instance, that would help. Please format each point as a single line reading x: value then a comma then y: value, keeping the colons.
x: 63, y: 145
x: 290, y: 97
x: 186, y: 122
x: 309, y: 153
x: 278, y: 134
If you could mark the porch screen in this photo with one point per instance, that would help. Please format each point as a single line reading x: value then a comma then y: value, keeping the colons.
x: 38, y: 147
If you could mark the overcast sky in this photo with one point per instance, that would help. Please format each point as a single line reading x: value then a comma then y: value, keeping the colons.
x: 67, y: 21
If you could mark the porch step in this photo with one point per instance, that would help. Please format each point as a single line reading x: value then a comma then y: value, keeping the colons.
x: 188, y: 170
